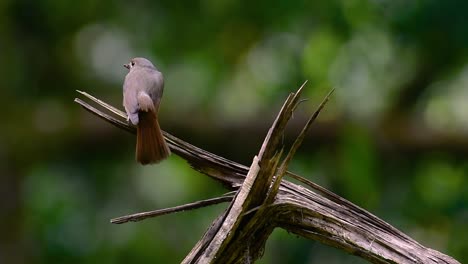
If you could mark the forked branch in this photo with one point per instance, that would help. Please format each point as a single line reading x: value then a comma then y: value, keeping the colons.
x: 264, y: 201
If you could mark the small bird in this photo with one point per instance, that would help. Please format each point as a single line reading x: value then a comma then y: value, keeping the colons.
x: 142, y: 92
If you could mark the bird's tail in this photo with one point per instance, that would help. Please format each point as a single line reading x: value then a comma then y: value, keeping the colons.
x: 151, y: 146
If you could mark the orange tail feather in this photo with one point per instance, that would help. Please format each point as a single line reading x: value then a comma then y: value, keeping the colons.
x: 151, y: 146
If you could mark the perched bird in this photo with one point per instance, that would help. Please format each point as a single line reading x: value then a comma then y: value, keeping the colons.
x: 142, y: 92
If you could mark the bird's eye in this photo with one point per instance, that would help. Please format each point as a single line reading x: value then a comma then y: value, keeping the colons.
x: 133, y: 63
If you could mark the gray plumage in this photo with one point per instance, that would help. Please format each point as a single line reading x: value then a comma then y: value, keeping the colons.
x: 142, y: 80
x: 142, y: 92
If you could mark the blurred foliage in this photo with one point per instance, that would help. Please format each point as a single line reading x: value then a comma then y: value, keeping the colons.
x: 393, y: 140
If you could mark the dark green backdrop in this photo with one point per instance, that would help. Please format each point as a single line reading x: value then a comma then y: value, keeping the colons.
x: 394, y: 138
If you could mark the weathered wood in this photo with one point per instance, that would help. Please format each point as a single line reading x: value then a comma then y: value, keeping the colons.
x: 312, y: 212
x: 190, y: 206
x: 239, y: 230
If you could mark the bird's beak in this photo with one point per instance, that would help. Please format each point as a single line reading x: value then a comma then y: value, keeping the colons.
x: 127, y: 66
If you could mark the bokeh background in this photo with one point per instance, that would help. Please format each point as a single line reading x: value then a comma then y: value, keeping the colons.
x: 394, y: 138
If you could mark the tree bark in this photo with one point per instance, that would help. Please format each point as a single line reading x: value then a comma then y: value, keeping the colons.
x: 264, y: 201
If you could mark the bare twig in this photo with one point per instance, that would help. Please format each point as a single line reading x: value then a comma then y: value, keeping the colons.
x: 190, y: 206
x: 297, y: 143
x: 118, y: 123
x: 105, y: 105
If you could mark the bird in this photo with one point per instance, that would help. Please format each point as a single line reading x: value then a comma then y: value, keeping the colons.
x: 142, y: 92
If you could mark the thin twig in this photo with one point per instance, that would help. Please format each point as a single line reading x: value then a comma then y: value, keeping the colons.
x: 111, y: 119
x: 190, y: 206
x: 297, y: 143
x: 298, y: 103
x: 105, y: 105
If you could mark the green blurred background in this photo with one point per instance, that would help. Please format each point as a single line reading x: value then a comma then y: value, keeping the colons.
x: 394, y: 138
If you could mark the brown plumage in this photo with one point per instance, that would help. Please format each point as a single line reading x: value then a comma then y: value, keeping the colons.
x: 143, y: 89
x: 151, y: 146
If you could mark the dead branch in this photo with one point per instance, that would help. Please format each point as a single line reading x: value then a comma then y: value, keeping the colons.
x: 264, y: 201
x: 190, y: 206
